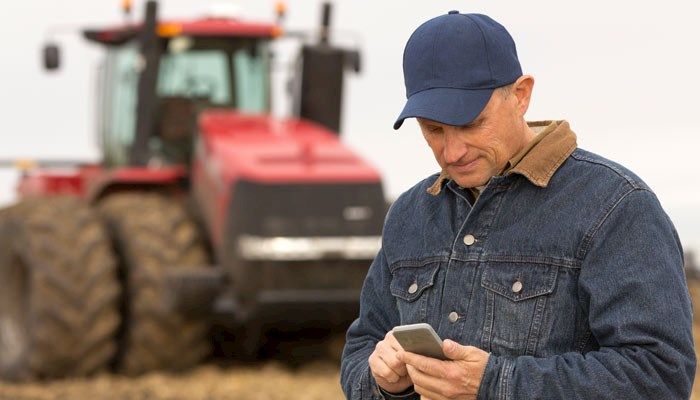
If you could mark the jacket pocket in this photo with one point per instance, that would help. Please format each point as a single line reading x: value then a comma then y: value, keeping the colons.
x: 411, y: 282
x: 516, y: 297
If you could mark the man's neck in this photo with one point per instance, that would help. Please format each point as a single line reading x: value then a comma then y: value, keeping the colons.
x: 528, y: 136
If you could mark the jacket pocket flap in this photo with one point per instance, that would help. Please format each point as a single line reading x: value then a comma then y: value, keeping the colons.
x: 409, y: 281
x: 519, y: 281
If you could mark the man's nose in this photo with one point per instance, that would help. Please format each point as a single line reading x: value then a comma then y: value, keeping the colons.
x: 454, y: 149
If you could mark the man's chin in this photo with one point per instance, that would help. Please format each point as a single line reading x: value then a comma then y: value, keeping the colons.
x: 468, y: 181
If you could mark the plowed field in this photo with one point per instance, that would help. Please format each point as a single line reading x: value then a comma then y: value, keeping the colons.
x: 270, y: 380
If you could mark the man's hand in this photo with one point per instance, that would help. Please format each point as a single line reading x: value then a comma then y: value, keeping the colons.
x: 390, y: 373
x: 457, y: 378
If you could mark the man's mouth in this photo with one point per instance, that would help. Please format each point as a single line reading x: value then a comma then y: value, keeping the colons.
x: 464, y: 167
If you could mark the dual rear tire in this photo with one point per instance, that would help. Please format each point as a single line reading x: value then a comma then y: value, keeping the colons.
x: 82, y: 289
x: 154, y: 236
x: 60, y: 294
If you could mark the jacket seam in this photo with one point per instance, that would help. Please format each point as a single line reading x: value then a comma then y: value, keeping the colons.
x: 505, y: 379
x: 584, y: 158
x: 583, y: 340
x: 539, y: 260
x: 483, y: 258
x: 590, y: 234
x: 417, y: 262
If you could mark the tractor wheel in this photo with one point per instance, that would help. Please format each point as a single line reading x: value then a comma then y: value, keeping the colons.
x: 153, y: 235
x: 59, y: 293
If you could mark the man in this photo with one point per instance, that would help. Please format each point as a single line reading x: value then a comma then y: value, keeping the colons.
x: 551, y: 272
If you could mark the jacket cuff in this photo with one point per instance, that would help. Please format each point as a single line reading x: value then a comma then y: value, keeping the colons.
x: 405, y: 395
x: 496, y: 382
x: 374, y: 392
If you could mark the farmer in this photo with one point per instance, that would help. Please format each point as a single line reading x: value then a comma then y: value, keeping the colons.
x: 551, y: 272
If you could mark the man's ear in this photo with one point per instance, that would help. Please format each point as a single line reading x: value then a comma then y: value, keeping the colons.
x: 522, y: 89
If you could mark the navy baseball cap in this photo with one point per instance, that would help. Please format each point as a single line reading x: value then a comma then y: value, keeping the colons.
x: 451, y: 66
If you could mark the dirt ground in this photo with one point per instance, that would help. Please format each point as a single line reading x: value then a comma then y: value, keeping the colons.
x: 265, y: 381
x: 317, y: 379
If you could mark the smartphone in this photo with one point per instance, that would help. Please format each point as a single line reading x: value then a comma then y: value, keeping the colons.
x: 420, y: 339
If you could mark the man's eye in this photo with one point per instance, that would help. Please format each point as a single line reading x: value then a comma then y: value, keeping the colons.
x: 434, y: 128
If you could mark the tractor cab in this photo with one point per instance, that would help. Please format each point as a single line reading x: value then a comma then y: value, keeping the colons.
x: 194, y: 65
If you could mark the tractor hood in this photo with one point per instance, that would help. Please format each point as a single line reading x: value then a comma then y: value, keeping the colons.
x: 264, y: 149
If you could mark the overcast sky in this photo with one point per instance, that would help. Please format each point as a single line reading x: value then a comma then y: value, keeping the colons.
x: 623, y: 73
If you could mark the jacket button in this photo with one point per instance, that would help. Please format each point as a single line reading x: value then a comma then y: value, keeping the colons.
x: 413, y: 288
x: 469, y: 240
x: 453, y: 317
x: 517, y: 287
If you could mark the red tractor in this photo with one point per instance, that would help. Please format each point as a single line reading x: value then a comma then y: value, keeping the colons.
x: 205, y: 214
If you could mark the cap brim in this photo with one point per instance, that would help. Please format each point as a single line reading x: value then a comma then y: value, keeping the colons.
x: 446, y: 105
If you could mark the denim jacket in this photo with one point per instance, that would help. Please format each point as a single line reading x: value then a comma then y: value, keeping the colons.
x: 573, y: 284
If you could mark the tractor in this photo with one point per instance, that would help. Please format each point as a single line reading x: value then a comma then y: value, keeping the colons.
x: 207, y: 220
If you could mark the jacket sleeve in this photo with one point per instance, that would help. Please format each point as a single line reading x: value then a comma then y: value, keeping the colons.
x: 378, y: 315
x: 632, y: 288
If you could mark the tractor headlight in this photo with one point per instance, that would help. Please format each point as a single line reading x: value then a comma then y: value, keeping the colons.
x: 308, y: 248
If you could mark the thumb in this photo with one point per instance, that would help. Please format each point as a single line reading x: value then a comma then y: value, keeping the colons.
x: 454, y: 350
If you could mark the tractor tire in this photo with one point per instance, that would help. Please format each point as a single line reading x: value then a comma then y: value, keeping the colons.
x: 59, y: 293
x: 153, y: 235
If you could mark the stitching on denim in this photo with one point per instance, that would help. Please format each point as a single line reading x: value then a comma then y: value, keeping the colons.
x: 364, y: 376
x: 536, y: 326
x: 422, y: 285
x: 504, y: 371
x: 543, y: 260
x: 487, y: 330
x: 581, y: 156
x: 486, y: 227
x: 496, y: 210
x: 587, y: 240
x: 472, y: 290
x: 480, y: 391
x: 417, y: 262
x: 581, y: 344
x: 506, y: 380
x: 551, y: 282
x: 519, y: 259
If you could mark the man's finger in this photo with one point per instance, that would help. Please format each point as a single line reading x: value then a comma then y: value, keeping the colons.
x: 389, y: 357
x: 380, y: 369
x: 390, y: 339
x: 455, y: 351
x: 427, y: 394
x: 435, y: 386
x: 430, y: 366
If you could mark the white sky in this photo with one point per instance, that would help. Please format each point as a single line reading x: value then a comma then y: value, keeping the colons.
x: 624, y: 74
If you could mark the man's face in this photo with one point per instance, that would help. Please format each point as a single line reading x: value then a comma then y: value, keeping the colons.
x: 473, y: 153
